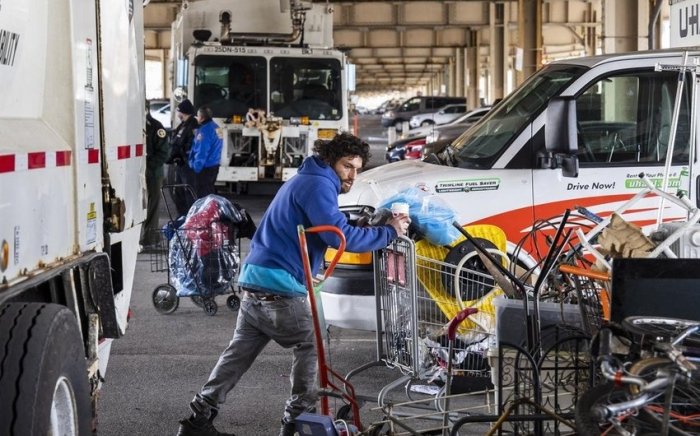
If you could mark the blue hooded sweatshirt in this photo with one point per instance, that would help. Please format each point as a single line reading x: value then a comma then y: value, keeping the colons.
x: 311, y: 199
x: 206, y: 148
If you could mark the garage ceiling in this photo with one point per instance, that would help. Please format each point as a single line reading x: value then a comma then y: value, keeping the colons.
x: 410, y: 43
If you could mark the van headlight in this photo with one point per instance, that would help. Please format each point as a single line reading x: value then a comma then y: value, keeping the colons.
x: 388, y: 114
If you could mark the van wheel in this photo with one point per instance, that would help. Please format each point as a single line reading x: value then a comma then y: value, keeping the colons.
x: 426, y: 123
x: 43, y: 371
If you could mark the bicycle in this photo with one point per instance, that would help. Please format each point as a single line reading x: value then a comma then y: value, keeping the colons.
x: 656, y: 394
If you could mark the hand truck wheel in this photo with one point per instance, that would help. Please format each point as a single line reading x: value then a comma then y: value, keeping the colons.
x: 344, y: 413
x: 233, y: 302
x: 197, y: 300
x: 165, y: 299
x: 210, y: 306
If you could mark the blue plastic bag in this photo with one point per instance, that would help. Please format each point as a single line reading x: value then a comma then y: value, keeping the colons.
x: 431, y: 216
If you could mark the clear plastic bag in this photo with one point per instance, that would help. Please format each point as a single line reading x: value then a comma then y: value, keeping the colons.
x: 430, y: 215
x: 203, y: 256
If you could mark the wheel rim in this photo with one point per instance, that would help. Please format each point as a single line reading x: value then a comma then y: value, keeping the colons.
x: 63, y: 409
x: 165, y: 299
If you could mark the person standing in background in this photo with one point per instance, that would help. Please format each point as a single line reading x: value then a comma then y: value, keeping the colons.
x: 205, y: 155
x: 180, y: 146
x: 156, y: 155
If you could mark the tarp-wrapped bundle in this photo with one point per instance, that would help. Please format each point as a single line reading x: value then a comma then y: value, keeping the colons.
x: 203, y: 255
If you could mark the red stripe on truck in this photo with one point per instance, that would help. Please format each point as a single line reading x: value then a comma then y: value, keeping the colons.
x: 123, y: 152
x: 36, y: 160
x: 139, y: 149
x: 63, y: 158
x: 93, y: 155
x: 7, y: 163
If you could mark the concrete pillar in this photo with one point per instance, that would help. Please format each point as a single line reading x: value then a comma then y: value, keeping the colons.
x: 451, y: 77
x: 497, y: 53
x: 625, y: 25
x: 459, y: 72
x: 472, y: 63
x: 529, y: 37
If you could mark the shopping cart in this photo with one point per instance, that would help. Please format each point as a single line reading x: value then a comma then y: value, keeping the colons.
x: 200, y: 252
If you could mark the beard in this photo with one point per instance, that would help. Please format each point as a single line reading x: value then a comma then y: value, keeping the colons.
x: 345, y: 186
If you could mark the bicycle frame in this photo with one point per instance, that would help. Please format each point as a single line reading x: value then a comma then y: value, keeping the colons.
x: 680, y: 199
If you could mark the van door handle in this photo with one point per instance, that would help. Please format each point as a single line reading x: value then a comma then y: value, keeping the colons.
x: 697, y: 191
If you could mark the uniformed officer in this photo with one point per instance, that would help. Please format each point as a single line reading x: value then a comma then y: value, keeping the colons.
x: 156, y: 154
x: 180, y: 145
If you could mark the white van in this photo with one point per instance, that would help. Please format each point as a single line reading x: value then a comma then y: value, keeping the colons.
x: 500, y: 171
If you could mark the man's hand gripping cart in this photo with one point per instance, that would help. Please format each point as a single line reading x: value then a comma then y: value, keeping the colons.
x: 330, y: 382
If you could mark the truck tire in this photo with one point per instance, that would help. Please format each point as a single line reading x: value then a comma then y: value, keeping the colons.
x: 42, y: 370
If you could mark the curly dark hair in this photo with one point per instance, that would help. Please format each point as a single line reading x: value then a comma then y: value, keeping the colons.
x: 344, y: 144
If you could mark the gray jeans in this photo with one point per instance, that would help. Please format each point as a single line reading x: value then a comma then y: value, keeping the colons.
x: 286, y: 321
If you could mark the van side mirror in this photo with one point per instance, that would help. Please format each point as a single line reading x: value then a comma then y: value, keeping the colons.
x: 561, y: 134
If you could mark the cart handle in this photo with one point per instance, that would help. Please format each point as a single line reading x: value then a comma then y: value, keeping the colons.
x: 319, y: 229
x: 595, y: 275
x: 457, y: 320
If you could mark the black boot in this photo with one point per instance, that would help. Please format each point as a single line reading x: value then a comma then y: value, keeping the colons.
x: 199, y: 426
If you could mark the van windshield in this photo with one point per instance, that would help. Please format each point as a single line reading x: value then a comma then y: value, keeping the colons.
x: 480, y: 146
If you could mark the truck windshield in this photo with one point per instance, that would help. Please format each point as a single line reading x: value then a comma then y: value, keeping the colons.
x: 480, y: 146
x: 230, y: 85
x: 306, y: 87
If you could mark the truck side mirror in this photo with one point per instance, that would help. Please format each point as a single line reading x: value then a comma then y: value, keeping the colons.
x: 561, y: 134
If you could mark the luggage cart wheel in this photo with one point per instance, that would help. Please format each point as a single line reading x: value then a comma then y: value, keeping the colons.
x: 165, y: 299
x: 233, y: 302
x: 210, y: 306
x: 197, y: 300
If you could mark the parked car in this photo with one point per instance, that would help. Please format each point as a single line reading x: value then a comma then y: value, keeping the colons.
x: 453, y: 130
x: 385, y: 106
x: 414, y: 149
x: 444, y: 115
x: 414, y: 106
x: 396, y: 151
x: 160, y: 110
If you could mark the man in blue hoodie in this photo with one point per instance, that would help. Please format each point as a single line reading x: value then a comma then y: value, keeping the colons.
x: 274, y: 306
x: 205, y: 154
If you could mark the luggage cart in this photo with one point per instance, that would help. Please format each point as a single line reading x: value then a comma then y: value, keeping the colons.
x: 206, y: 258
x: 330, y: 382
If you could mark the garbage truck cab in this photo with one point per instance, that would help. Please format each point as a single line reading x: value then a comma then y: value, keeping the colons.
x: 502, y: 172
x: 270, y: 74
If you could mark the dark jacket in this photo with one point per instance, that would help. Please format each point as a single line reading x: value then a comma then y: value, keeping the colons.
x: 310, y: 198
x: 181, y: 141
x: 156, y: 147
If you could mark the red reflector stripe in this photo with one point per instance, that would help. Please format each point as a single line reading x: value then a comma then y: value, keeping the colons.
x: 63, y: 158
x: 139, y: 149
x: 123, y: 152
x: 93, y: 155
x: 7, y: 163
x: 36, y: 160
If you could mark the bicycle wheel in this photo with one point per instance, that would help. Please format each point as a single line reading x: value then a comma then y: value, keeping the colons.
x: 590, y: 420
x: 658, y: 328
x: 684, y: 403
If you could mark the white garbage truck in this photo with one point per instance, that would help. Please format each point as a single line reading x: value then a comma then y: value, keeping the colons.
x: 72, y: 192
x: 269, y: 72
